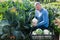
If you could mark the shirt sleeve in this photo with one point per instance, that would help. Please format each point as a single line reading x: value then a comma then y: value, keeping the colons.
x: 45, y: 18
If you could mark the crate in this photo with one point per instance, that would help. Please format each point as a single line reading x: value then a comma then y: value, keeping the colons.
x: 42, y: 36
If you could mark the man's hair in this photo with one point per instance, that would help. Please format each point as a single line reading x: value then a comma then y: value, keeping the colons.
x: 37, y: 3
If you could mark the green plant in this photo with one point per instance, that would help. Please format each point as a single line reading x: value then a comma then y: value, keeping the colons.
x: 19, y: 15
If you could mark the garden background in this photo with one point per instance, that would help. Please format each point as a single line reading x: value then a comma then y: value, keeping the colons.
x: 11, y: 10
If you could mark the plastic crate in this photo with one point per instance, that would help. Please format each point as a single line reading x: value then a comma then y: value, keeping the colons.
x: 42, y: 36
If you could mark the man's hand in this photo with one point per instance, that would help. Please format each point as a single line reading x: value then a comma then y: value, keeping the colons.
x: 34, y: 22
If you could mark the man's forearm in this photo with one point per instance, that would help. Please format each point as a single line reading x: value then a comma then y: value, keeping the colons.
x: 41, y: 23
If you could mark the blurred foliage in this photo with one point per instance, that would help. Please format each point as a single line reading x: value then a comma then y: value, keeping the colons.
x: 45, y: 1
x: 20, y: 14
x: 17, y: 15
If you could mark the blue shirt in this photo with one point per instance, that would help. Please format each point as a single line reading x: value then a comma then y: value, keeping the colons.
x: 42, y: 17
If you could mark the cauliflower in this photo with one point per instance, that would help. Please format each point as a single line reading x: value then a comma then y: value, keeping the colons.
x: 34, y: 22
x: 37, y: 32
x: 46, y: 31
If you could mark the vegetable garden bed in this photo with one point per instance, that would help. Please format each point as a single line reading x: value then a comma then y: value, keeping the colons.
x: 19, y: 16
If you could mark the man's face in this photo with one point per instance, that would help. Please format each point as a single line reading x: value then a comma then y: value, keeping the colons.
x: 38, y: 7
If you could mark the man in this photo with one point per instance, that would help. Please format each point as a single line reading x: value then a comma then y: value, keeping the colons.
x: 41, y: 15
